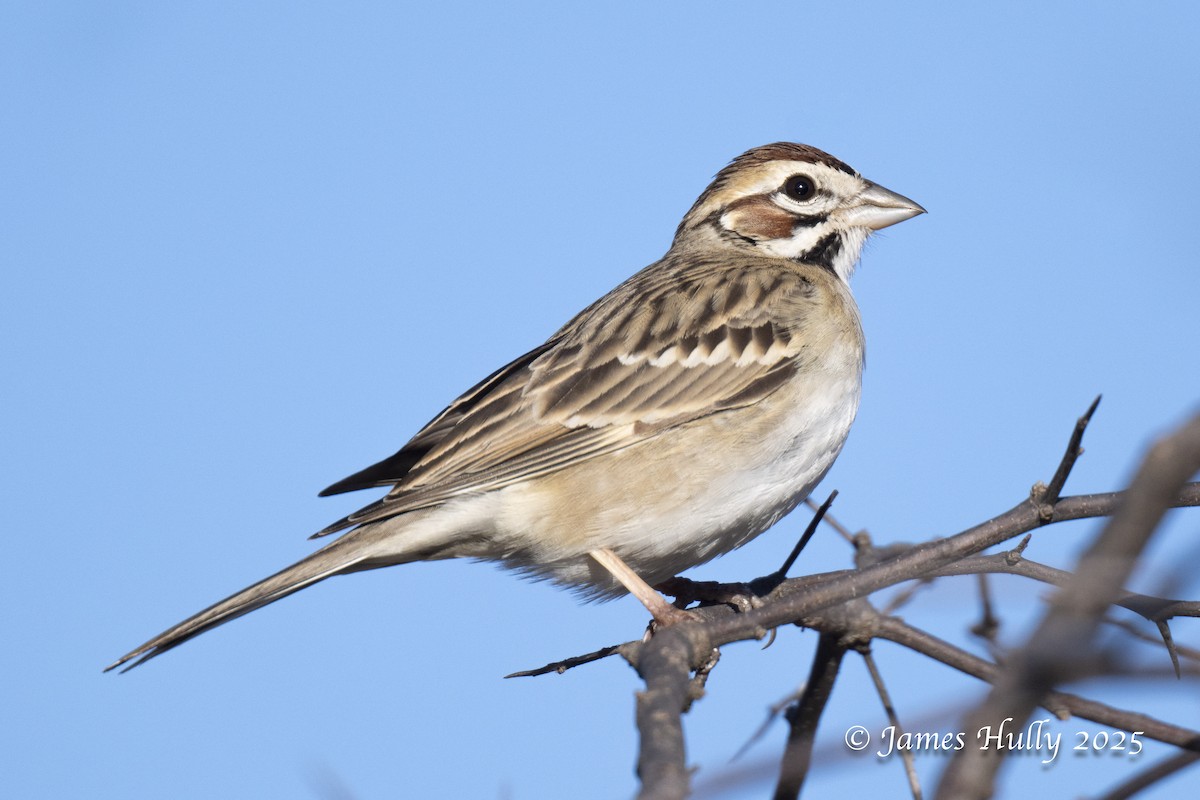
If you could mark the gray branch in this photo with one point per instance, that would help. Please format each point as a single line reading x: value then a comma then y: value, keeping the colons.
x: 835, y: 605
x: 665, y: 660
x: 1063, y: 641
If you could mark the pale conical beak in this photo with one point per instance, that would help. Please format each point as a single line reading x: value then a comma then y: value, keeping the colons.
x: 878, y: 208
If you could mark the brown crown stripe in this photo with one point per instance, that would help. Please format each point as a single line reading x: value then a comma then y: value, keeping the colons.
x: 787, y: 151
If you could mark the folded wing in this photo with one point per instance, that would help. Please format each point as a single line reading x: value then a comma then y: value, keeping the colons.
x: 665, y: 348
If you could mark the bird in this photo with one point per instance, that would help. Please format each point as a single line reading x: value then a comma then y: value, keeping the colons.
x: 672, y: 420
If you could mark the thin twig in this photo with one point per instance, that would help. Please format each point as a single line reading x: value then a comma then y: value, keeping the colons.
x: 896, y: 630
x: 666, y: 660
x: 1152, y: 775
x: 1064, y: 637
x: 1153, y: 609
x: 1181, y: 651
x: 910, y: 768
x: 1074, y: 451
x: 1156, y: 610
x: 830, y: 753
x: 988, y: 624
x: 773, y: 712
x: 559, y: 667
x: 902, y: 597
x: 832, y: 522
x: 808, y: 534
x: 1164, y: 630
x: 797, y: 598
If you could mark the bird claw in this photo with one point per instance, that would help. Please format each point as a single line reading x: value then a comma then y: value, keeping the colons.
x: 741, y: 596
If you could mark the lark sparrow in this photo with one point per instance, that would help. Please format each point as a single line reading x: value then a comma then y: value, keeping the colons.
x: 669, y: 422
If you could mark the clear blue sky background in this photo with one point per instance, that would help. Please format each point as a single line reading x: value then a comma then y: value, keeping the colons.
x: 249, y: 248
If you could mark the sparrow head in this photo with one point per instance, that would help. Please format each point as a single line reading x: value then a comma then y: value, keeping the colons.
x: 793, y: 201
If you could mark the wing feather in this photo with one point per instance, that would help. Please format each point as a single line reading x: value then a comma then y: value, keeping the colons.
x: 666, y: 347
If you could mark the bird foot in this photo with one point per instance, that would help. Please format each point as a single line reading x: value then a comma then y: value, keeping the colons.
x: 741, y: 596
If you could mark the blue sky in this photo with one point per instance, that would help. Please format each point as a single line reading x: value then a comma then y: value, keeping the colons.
x: 251, y: 248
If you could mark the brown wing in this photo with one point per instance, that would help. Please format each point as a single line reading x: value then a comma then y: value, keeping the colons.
x: 664, y: 348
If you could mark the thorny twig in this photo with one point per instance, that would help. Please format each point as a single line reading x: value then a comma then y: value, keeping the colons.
x: 1063, y: 640
x: 1051, y: 493
x: 828, y: 604
x: 559, y: 667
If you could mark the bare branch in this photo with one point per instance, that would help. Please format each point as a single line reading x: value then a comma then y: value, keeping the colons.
x: 797, y: 598
x: 666, y: 665
x: 1057, y: 703
x: 1178, y: 650
x: 776, y: 708
x: 559, y: 667
x: 803, y: 599
x: 1153, y: 609
x: 858, y: 618
x: 834, y: 604
x: 1148, y: 777
x: 988, y: 624
x: 823, y: 602
x: 806, y: 713
x: 889, y: 708
x: 1051, y: 494
x: 1052, y: 653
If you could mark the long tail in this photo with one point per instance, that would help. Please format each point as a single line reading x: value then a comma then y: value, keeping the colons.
x: 337, y: 557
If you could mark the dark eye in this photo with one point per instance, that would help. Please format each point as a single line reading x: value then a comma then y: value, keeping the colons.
x: 799, y: 187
